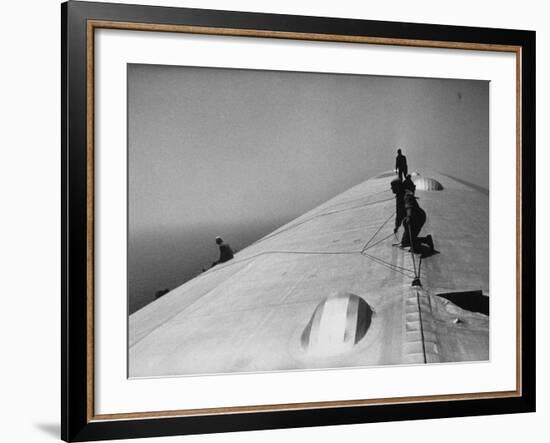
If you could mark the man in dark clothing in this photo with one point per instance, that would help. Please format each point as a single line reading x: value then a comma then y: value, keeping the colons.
x: 399, y: 191
x: 226, y: 253
x: 409, y: 184
x: 401, y: 165
x: 415, y: 217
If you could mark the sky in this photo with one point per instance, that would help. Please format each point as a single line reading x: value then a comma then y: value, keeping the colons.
x: 237, y: 153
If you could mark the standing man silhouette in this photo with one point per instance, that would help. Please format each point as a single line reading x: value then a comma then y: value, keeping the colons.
x: 401, y: 165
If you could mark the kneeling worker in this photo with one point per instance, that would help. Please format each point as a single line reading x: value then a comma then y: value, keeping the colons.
x: 414, y: 220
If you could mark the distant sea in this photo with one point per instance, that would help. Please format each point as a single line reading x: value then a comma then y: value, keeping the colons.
x: 166, y: 258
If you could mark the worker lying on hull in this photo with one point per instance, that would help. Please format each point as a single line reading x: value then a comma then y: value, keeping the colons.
x: 226, y: 253
x: 415, y: 217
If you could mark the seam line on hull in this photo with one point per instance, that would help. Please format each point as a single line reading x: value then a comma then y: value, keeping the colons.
x: 288, y: 228
x: 421, y: 326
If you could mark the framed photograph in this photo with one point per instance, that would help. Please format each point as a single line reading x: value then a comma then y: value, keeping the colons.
x: 277, y: 221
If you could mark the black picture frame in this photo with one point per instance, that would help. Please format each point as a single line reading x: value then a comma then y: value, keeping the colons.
x: 77, y: 421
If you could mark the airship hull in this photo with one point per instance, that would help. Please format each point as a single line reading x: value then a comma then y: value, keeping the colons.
x: 330, y: 289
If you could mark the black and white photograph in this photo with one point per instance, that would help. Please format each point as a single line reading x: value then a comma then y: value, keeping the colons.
x: 282, y: 221
x: 277, y: 221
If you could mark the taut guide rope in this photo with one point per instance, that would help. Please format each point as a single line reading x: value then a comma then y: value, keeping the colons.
x: 367, y: 246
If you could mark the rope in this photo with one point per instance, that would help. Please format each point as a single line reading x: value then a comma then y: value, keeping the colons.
x: 388, y: 263
x: 395, y: 268
x: 251, y: 257
x: 378, y: 242
x: 380, y: 261
x: 377, y: 231
x: 421, y: 326
x: 412, y: 250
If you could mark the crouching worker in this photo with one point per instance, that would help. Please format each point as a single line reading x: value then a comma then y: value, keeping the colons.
x: 415, y: 217
x: 409, y: 184
x: 226, y: 253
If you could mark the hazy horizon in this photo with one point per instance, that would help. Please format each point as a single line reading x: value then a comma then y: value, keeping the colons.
x: 237, y: 153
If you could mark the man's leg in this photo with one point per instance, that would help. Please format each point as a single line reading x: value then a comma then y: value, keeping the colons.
x: 416, y: 225
x: 405, y: 239
x: 429, y: 241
